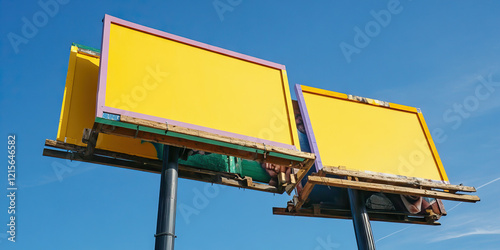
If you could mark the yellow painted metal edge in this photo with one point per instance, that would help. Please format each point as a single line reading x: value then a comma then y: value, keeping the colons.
x: 403, y: 107
x: 338, y: 95
x: 324, y: 92
x: 437, y: 159
x: 289, y: 110
x: 68, y: 90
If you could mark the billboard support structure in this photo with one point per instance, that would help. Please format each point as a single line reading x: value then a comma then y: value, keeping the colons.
x: 361, y: 221
x: 167, y: 203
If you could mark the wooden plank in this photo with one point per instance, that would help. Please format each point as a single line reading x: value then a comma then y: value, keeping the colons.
x: 292, y: 179
x: 385, y: 188
x: 180, y: 142
x: 75, y: 156
x: 249, y: 180
x: 79, y: 149
x: 289, y: 188
x: 282, y: 178
x: 304, y: 194
x: 413, y: 182
x: 154, y: 166
x: 203, y: 134
x: 183, y: 143
x: 113, y: 127
x: 341, y: 214
x: 307, y: 164
x: 61, y: 145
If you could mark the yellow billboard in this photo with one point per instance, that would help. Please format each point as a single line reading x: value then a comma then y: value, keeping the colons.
x: 160, y: 77
x: 78, y: 114
x: 368, y: 135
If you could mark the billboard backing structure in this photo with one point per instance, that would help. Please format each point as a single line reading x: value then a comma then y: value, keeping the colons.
x: 79, y: 105
x: 78, y: 113
x: 171, y: 90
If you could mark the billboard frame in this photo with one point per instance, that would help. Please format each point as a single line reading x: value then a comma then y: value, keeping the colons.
x: 84, y: 146
x: 338, y: 176
x: 299, y: 89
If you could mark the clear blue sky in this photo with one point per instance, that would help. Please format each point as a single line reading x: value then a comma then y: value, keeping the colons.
x: 434, y: 55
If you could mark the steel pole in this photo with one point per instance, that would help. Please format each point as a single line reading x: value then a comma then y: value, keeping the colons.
x: 361, y: 221
x: 167, y: 204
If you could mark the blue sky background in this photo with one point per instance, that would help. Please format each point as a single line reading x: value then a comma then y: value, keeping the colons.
x: 432, y: 55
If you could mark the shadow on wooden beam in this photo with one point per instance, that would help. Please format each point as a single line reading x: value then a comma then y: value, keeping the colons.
x: 331, y: 176
x: 200, y: 140
x: 346, y: 214
x: 115, y: 159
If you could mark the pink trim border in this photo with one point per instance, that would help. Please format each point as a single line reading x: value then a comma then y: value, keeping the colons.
x: 318, y: 164
x: 103, y: 68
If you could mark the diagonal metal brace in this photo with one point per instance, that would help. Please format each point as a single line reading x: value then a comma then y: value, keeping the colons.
x: 90, y: 137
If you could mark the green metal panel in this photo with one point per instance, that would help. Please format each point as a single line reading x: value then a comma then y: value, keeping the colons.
x: 252, y: 169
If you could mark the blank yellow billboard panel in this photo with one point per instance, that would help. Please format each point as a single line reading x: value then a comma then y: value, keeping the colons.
x: 157, y: 76
x: 368, y: 135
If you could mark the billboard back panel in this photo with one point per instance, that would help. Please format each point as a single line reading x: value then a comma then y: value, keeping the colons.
x: 78, y: 109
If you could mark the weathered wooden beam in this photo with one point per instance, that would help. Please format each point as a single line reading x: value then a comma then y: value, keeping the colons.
x: 345, y: 214
x: 385, y: 188
x: 91, y: 139
x: 75, y: 156
x: 180, y: 142
x: 211, y: 136
x: 304, y: 194
x: 122, y: 160
x: 200, y: 140
x: 307, y: 164
x: 306, y: 190
x: 402, y: 181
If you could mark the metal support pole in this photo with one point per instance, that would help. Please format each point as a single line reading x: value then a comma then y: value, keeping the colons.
x: 167, y: 204
x: 362, y: 227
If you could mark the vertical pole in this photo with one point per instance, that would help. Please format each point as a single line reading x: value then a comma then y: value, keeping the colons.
x: 362, y: 227
x: 167, y: 204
